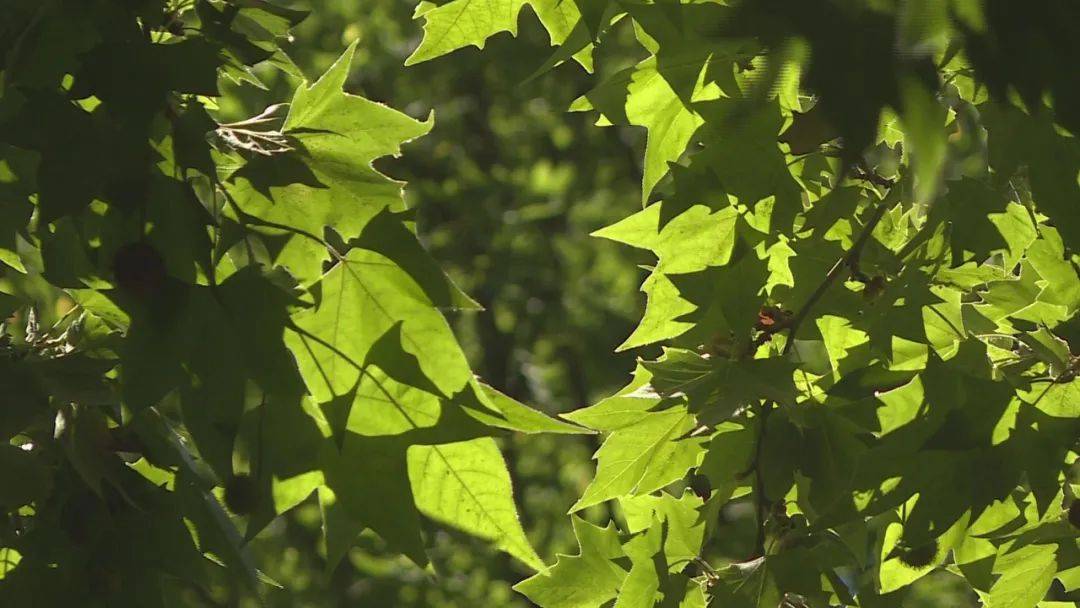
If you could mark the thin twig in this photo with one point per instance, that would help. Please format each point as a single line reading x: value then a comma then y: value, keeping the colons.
x: 761, y: 506
x: 848, y: 261
x: 871, y: 177
x: 850, y: 258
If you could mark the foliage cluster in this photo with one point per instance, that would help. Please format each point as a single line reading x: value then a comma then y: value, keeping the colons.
x: 230, y: 289
x: 506, y: 188
x: 865, y: 288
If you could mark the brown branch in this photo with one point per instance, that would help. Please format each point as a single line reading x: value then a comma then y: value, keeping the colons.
x: 871, y: 177
x: 761, y: 504
x: 849, y: 261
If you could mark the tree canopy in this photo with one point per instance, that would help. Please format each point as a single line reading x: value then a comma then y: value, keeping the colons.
x: 854, y: 365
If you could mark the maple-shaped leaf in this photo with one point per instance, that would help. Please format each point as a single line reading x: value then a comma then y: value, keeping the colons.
x: 727, y: 302
x: 360, y: 299
x: 966, y: 207
x: 644, y: 449
x: 466, y: 485
x: 406, y: 437
x: 417, y: 453
x: 696, y: 238
x: 686, y: 241
x: 642, y: 457
x: 327, y: 179
x: 588, y: 579
x: 622, y: 409
x: 727, y: 458
x: 1016, y: 139
x: 717, y: 388
x: 496, y: 409
x: 748, y: 584
x: 840, y: 203
x: 648, y: 568
x: 664, y: 310
x: 1026, y: 574
x: 461, y: 23
x: 642, y: 96
x: 1046, y: 255
x: 684, y: 526
x: 741, y: 147
x: 569, y: 29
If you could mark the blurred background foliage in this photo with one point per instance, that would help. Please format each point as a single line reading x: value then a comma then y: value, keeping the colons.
x: 506, y: 188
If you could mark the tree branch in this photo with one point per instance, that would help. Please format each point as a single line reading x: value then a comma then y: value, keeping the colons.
x: 761, y: 505
x: 846, y: 262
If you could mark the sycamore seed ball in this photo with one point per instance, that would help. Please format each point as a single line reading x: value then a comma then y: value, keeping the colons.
x: 701, y: 486
x: 139, y: 269
x: 921, y: 556
x: 241, y: 494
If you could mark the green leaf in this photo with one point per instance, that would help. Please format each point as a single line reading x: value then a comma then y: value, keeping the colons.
x: 361, y: 298
x: 388, y: 234
x: 683, y: 524
x: 564, y: 20
x: 328, y: 180
x: 9, y: 560
x: 1058, y: 400
x: 895, y: 574
x: 727, y: 458
x: 23, y: 478
x: 461, y: 23
x: 719, y: 387
x: 384, y: 422
x: 1026, y: 574
x: 663, y: 311
x: 1016, y: 139
x: 1047, y: 256
x: 388, y: 353
x: 585, y: 580
x: 967, y: 205
x: 498, y: 410
x: 370, y: 467
x: 695, y: 239
x: 466, y: 485
x: 642, y: 96
x: 592, y: 14
x: 622, y: 409
x: 642, y: 583
x: 396, y: 429
x: 839, y: 203
x: 642, y: 457
x: 747, y: 584
x: 741, y: 147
